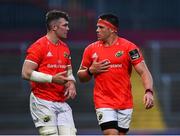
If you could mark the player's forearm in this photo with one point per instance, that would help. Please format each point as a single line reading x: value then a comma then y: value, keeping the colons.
x: 36, y: 76
x: 70, y: 75
x: 40, y: 77
x: 145, y: 75
x: 83, y: 75
x: 147, y: 80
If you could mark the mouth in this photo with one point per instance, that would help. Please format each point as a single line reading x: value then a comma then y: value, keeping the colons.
x: 98, y: 35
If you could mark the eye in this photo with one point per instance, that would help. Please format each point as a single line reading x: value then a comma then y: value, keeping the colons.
x: 100, y: 27
x: 66, y: 25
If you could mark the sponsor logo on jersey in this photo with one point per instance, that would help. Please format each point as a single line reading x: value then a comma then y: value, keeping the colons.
x: 116, y: 66
x: 134, y: 54
x: 49, y: 54
x: 56, y: 66
x: 119, y: 53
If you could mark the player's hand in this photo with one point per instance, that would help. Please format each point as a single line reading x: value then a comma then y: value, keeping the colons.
x: 99, y: 67
x: 60, y: 78
x: 70, y: 90
x: 148, y: 100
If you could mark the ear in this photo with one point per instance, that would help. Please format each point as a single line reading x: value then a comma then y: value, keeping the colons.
x: 54, y: 27
x: 111, y: 30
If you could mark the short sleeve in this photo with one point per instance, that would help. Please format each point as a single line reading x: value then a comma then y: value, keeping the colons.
x: 69, y: 57
x: 135, y: 54
x: 86, y: 59
x: 35, y: 53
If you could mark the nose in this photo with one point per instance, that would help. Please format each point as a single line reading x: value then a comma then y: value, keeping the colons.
x: 67, y: 28
x: 97, y: 30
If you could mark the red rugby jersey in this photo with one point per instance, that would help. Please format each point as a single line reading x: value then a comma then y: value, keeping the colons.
x: 112, y: 89
x: 51, y: 59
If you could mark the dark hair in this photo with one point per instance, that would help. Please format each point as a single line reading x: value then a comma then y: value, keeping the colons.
x: 113, y: 19
x: 55, y: 15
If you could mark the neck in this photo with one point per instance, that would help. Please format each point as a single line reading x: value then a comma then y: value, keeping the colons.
x: 111, y: 40
x: 52, y: 37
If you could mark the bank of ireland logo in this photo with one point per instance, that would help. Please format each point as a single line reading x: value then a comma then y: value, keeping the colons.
x: 119, y: 53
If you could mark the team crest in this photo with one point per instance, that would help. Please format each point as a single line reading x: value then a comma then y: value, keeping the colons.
x: 119, y: 53
x: 99, y: 115
x: 66, y: 55
x: 46, y: 118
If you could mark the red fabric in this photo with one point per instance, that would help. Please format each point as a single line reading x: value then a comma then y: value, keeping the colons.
x: 51, y: 59
x: 107, y: 24
x: 113, y: 88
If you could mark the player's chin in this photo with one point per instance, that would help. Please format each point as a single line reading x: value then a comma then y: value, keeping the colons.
x: 99, y: 38
x: 65, y: 36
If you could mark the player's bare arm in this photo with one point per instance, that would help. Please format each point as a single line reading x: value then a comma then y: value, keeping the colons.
x: 28, y: 68
x: 83, y: 74
x: 147, y: 80
x: 70, y: 73
x: 70, y: 89
x: 29, y: 73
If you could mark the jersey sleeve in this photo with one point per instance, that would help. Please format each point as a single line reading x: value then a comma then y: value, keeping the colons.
x: 135, y: 54
x: 35, y: 53
x: 86, y: 59
x: 69, y: 58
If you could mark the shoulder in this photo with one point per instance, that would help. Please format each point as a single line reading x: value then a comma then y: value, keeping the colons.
x: 38, y: 45
x: 93, y: 45
x: 127, y: 43
x: 64, y: 46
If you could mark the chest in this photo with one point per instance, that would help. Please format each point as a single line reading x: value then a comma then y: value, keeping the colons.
x: 114, y: 54
x: 55, y: 55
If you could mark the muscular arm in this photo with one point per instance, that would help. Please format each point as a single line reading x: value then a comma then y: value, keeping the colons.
x: 83, y: 75
x: 70, y: 89
x: 145, y: 75
x: 147, y: 80
x: 70, y: 73
x: 29, y: 73
x: 27, y: 69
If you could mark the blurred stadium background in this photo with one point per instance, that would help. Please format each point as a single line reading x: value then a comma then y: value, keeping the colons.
x: 154, y: 25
